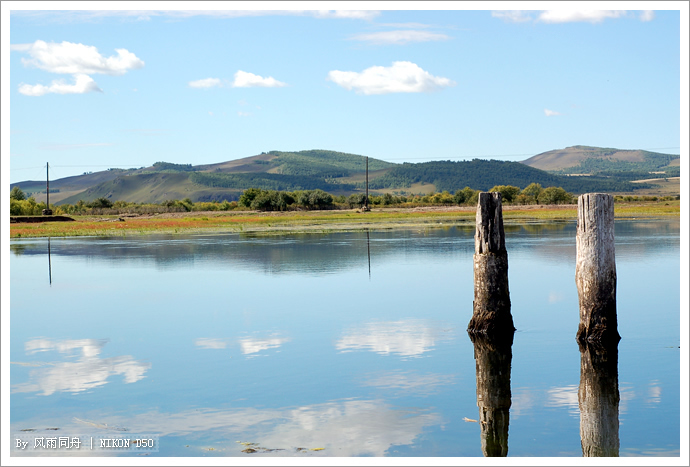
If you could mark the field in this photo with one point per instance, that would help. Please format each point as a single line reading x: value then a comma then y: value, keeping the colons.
x: 314, y: 221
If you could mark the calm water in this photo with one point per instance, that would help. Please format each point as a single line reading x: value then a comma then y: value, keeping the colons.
x: 350, y: 342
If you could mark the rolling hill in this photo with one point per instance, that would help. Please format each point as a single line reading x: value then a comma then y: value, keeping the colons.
x: 591, y: 160
x: 342, y: 173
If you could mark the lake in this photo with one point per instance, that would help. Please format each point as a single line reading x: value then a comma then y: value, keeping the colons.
x: 342, y: 344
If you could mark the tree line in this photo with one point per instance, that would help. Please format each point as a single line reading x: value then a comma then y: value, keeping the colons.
x: 256, y: 199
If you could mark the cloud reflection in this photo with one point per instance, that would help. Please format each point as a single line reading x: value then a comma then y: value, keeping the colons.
x: 408, y: 338
x: 410, y: 382
x: 87, y: 372
x: 210, y: 343
x: 565, y: 396
x: 253, y: 346
x: 344, y: 428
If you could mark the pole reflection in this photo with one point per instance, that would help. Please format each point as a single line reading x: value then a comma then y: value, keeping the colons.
x: 598, y: 398
x: 493, y: 356
x: 50, y: 271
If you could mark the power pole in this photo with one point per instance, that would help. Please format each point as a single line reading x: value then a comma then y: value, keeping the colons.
x: 366, y: 199
x: 47, y: 211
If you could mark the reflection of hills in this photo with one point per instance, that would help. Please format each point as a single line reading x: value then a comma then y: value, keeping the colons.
x: 327, y: 253
x: 555, y: 241
x: 276, y: 254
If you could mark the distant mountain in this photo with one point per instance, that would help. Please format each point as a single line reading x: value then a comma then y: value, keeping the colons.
x: 593, y: 160
x: 342, y: 173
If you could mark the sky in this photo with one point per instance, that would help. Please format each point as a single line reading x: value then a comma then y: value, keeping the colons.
x: 98, y: 85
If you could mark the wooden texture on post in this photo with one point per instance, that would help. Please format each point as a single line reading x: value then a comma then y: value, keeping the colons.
x: 598, y: 399
x: 595, y: 270
x: 491, y: 306
x: 493, y: 357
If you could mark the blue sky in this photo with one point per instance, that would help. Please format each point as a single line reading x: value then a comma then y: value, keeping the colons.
x: 92, y: 89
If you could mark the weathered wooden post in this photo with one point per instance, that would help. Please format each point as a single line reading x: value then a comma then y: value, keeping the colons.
x: 598, y: 398
x: 493, y: 357
x: 595, y: 272
x: 491, y: 306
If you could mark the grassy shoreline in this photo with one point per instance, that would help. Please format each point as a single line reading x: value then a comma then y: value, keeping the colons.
x: 315, y: 221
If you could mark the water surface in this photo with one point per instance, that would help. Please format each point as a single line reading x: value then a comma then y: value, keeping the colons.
x: 350, y: 342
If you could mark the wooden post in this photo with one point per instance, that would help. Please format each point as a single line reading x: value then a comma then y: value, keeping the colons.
x: 493, y: 357
x: 595, y: 271
x: 47, y: 211
x: 366, y: 197
x: 491, y: 306
x: 598, y: 398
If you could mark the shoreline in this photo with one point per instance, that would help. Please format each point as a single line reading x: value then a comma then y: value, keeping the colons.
x: 285, y: 222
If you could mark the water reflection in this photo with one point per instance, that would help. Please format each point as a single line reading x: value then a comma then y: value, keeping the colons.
x: 87, y: 372
x: 493, y: 357
x: 251, y: 346
x: 331, y: 253
x: 408, y: 338
x: 343, y: 428
x: 599, y: 398
x: 50, y: 271
x: 409, y: 382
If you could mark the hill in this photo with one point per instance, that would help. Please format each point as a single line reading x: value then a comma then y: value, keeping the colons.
x: 336, y: 173
x: 592, y: 160
x: 481, y: 174
x: 275, y: 170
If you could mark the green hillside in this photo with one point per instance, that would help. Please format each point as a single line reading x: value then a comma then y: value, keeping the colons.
x: 481, y: 174
x: 593, y: 160
x: 342, y: 173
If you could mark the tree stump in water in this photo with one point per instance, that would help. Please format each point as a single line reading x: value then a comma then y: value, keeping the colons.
x: 493, y: 357
x: 598, y: 399
x: 595, y: 271
x: 491, y: 306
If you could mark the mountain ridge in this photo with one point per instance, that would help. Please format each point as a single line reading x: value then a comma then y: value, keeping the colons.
x: 343, y: 173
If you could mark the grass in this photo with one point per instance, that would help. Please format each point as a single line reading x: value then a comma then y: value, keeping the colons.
x: 281, y: 222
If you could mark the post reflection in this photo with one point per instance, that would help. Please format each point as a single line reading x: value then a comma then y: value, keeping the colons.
x: 493, y: 356
x: 598, y: 398
x: 50, y: 272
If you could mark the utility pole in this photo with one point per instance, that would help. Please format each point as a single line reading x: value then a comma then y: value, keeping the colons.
x: 47, y: 211
x: 366, y: 199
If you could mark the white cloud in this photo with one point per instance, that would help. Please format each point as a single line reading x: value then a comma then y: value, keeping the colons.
x: 243, y: 114
x: 82, y: 85
x: 244, y: 79
x: 567, y: 16
x: 347, y: 14
x: 400, y: 77
x: 400, y: 37
x: 78, y: 60
x: 551, y: 113
x: 647, y: 15
x: 71, y: 58
x: 572, y: 16
x: 512, y: 16
x: 205, y: 83
x: 145, y: 15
